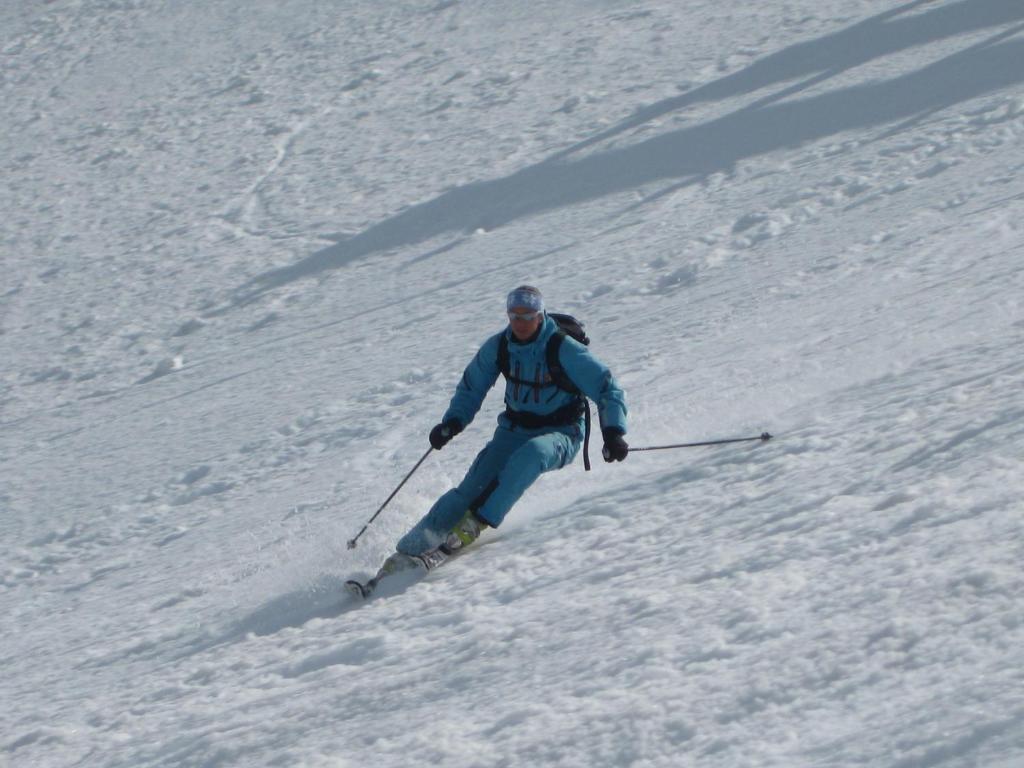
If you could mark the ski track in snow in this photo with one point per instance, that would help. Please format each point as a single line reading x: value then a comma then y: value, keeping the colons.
x: 248, y: 250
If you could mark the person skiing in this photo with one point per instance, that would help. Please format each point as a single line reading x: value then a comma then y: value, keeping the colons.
x: 540, y: 430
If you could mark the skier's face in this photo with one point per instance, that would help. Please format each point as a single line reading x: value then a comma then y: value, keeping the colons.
x: 524, y: 322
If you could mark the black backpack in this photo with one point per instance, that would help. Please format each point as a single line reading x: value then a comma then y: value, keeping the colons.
x: 567, y: 326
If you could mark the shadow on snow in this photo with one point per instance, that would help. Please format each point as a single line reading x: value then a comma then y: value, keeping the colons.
x: 684, y: 157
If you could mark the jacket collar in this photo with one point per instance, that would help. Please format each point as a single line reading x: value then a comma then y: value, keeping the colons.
x: 541, y: 330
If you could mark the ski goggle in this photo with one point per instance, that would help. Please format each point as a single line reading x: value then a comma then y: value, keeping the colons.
x: 527, y: 316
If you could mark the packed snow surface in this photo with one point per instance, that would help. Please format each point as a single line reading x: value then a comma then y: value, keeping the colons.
x: 247, y: 249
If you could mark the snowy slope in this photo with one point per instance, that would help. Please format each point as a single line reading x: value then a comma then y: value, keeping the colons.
x: 247, y: 249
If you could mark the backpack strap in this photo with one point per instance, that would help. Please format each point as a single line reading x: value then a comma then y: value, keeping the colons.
x: 503, y: 364
x: 558, y: 374
x: 562, y: 381
x: 558, y: 377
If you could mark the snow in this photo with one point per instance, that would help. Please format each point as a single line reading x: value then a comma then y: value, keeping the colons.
x: 247, y: 249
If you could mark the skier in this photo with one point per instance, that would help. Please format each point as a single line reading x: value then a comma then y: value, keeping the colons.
x: 540, y: 430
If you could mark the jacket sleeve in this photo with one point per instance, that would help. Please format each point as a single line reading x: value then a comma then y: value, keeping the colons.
x: 596, y: 382
x: 476, y: 382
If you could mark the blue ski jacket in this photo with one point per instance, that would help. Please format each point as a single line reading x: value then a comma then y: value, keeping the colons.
x: 528, y: 362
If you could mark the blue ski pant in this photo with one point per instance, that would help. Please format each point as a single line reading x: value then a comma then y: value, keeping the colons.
x: 499, y: 475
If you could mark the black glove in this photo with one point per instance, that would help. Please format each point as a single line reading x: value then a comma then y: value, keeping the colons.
x: 615, y: 448
x: 443, y: 432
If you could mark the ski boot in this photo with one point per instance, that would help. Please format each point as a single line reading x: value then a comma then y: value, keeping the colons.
x: 396, y: 563
x: 465, y: 532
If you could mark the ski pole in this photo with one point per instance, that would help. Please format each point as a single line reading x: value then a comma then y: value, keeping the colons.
x: 352, y: 542
x: 763, y: 437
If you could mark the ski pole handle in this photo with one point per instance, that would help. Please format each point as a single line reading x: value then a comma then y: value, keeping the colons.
x: 352, y: 542
x: 763, y: 437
